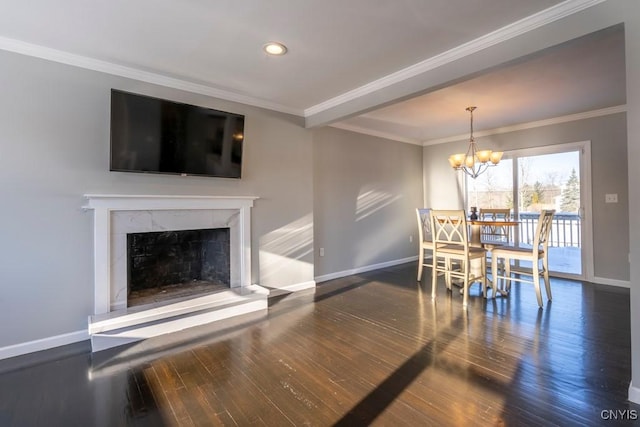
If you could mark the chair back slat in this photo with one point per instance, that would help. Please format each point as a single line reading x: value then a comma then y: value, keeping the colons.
x: 492, y: 214
x: 495, y: 233
x: 543, y: 229
x: 424, y: 224
x: 449, y: 226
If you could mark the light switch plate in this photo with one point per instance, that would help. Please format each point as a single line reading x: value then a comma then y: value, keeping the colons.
x: 611, y: 198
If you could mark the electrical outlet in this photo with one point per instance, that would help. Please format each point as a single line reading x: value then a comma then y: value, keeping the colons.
x: 410, y: 239
x: 611, y: 198
x: 321, y: 251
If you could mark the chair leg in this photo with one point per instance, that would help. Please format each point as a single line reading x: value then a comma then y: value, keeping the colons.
x: 536, y: 281
x: 484, y: 278
x: 434, y: 278
x: 465, y: 284
x: 420, y: 264
x: 547, y: 283
x: 507, y: 274
x: 478, y: 273
x: 494, y: 274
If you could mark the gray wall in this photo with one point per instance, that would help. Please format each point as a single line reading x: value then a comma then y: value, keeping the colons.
x: 608, y: 136
x: 55, y: 148
x: 366, y: 191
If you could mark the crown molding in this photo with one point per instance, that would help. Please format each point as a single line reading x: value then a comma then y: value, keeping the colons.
x: 505, y: 33
x: 379, y: 134
x: 88, y: 63
x: 531, y: 125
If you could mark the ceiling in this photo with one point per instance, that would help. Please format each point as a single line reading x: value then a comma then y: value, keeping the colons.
x: 582, y: 75
x: 337, y: 49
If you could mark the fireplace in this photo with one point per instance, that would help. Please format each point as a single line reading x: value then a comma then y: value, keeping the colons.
x: 164, y: 265
x: 118, y: 216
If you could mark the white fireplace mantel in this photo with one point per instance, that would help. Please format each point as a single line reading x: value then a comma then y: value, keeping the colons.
x: 106, y: 205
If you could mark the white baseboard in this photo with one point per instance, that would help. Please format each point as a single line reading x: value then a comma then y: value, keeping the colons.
x: 612, y: 282
x: 634, y: 393
x: 299, y: 286
x: 43, y: 344
x: 364, y: 269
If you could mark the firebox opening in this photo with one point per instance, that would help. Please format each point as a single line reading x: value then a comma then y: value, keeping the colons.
x: 174, y: 264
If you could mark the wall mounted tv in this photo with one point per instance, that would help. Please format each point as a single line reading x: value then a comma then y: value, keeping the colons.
x: 157, y: 136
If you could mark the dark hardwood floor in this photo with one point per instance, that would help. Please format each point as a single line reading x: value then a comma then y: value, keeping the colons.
x: 369, y: 349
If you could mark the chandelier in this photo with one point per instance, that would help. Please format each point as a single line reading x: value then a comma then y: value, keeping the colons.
x: 474, y: 161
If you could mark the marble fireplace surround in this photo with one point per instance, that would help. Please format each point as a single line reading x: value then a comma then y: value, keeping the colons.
x: 117, y: 215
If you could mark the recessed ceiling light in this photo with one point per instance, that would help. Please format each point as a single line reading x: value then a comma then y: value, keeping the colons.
x: 275, y: 48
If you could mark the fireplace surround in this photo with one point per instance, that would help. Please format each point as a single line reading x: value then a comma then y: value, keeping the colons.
x: 115, y: 216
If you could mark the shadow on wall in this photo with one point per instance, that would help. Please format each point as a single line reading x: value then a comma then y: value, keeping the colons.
x: 285, y: 248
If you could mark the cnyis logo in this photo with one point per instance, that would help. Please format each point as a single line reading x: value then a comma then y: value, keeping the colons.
x: 619, y: 414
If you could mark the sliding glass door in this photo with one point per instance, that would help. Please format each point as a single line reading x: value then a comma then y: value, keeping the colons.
x: 551, y: 181
x: 528, y: 181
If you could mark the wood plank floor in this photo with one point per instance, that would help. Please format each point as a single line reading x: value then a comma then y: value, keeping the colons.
x: 368, y: 349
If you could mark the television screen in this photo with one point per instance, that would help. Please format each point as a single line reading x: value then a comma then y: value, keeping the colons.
x: 158, y: 136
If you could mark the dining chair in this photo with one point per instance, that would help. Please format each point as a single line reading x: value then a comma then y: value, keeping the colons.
x: 495, y: 234
x: 451, y: 243
x: 492, y: 236
x: 425, y: 253
x: 538, y: 252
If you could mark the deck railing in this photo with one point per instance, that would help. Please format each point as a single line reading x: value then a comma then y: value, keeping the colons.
x: 565, y: 229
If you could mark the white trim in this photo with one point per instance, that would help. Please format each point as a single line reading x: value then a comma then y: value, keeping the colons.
x: 507, y: 32
x: 586, y: 200
x: 530, y: 125
x: 245, y: 245
x: 541, y: 150
x: 379, y: 134
x: 43, y: 344
x: 364, y: 269
x: 634, y: 393
x: 37, y: 51
x: 612, y: 282
x: 136, y: 202
x: 298, y: 286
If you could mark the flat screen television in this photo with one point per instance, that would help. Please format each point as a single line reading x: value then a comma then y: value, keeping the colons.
x: 158, y: 136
